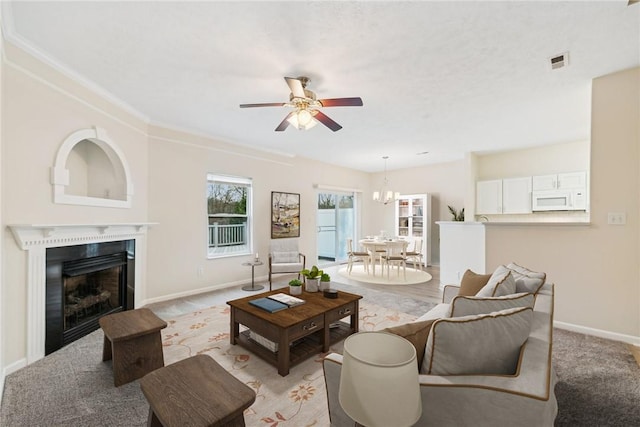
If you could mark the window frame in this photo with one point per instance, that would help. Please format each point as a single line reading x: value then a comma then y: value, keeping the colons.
x: 247, y: 248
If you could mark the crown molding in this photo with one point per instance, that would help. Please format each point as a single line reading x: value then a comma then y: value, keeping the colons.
x: 10, y: 35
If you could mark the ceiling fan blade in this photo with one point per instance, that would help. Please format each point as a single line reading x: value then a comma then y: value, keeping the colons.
x: 284, y: 124
x: 266, y: 104
x: 341, y: 102
x: 296, y: 87
x: 321, y: 117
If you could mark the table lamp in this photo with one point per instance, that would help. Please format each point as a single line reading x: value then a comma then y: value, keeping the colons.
x: 379, y: 384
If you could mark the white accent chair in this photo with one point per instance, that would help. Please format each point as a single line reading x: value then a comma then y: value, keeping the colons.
x: 396, y: 254
x: 415, y: 256
x: 356, y: 256
x: 285, y: 258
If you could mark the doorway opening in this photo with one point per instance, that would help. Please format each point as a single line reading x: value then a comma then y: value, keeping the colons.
x: 336, y: 219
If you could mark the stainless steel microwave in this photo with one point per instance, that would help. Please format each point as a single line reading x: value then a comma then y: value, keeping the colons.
x: 559, y: 200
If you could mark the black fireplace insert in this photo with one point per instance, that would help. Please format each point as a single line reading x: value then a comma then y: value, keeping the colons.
x: 84, y: 283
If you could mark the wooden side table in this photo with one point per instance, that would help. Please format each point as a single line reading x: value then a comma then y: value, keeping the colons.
x: 132, y: 339
x: 195, y: 392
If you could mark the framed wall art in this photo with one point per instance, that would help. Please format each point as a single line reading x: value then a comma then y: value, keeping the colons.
x: 285, y: 215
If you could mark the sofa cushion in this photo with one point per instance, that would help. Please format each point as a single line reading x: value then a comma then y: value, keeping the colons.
x: 416, y: 333
x: 481, y: 344
x: 466, y: 306
x: 285, y: 257
x: 500, y: 283
x: 437, y: 312
x: 527, y: 280
x: 472, y: 282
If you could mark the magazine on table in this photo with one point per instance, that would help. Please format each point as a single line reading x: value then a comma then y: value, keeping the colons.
x: 291, y: 301
x: 269, y: 305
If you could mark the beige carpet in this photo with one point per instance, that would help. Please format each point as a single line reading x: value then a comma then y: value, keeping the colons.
x: 299, y: 399
x: 358, y: 273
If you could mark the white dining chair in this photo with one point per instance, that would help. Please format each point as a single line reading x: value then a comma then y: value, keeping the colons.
x: 415, y: 255
x: 356, y: 256
x: 396, y: 254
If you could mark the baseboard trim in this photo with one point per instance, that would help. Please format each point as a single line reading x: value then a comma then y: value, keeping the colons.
x: 629, y: 339
x: 8, y: 370
x: 199, y: 291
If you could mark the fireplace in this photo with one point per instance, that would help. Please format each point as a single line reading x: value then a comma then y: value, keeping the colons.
x: 37, y: 239
x: 84, y: 283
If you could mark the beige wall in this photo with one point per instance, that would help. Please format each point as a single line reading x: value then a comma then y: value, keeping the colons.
x: 40, y: 109
x: 446, y: 182
x: 595, y: 267
x: 2, y: 357
x: 178, y: 167
x: 548, y: 159
x: 168, y: 171
x: 597, y: 278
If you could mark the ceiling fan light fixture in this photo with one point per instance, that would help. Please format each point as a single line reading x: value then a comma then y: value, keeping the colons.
x: 306, y: 114
x: 302, y: 119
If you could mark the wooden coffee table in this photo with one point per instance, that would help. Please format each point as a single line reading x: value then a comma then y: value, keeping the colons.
x: 300, y: 331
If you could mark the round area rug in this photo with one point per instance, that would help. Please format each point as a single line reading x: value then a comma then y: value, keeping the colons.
x: 358, y: 273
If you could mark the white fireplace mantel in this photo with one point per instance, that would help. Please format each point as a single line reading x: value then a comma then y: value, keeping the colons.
x: 36, y: 238
x: 54, y: 235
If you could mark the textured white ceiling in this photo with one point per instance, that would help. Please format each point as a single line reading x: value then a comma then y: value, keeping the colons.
x: 443, y: 77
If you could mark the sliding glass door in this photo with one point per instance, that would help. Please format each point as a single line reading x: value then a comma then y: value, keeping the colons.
x: 336, y: 223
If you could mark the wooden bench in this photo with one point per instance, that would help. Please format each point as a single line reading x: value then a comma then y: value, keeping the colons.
x: 132, y: 339
x: 195, y: 392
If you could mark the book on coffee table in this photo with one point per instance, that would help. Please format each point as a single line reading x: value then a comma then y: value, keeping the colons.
x: 291, y: 301
x: 269, y: 305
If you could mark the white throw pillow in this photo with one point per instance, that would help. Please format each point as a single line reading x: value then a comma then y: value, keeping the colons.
x: 285, y: 257
x: 482, y: 344
x: 501, y: 283
x: 527, y: 280
x: 467, y: 306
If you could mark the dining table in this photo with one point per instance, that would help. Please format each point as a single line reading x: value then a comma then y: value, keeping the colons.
x: 377, y: 247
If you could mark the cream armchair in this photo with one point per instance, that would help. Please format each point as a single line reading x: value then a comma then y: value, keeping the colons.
x: 284, y: 257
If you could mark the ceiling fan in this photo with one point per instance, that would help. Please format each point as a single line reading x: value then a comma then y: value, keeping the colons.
x: 306, y: 113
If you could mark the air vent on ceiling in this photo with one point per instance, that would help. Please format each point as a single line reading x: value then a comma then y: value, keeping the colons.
x: 559, y: 61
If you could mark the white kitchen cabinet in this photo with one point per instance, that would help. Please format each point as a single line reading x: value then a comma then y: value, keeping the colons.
x: 560, y: 181
x: 413, y: 219
x: 545, y: 182
x: 572, y: 180
x: 489, y: 197
x: 516, y: 195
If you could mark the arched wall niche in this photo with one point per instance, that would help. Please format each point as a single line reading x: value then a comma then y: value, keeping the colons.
x: 91, y: 170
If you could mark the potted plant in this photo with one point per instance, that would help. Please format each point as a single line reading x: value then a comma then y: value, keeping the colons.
x: 325, y: 281
x: 457, y: 216
x: 312, y: 279
x: 295, y: 287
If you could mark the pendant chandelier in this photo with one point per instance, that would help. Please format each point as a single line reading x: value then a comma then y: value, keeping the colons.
x: 384, y: 195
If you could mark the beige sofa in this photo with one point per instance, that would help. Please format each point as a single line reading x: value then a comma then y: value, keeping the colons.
x: 524, y: 399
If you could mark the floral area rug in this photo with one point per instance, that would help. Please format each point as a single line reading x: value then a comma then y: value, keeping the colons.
x: 299, y: 399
